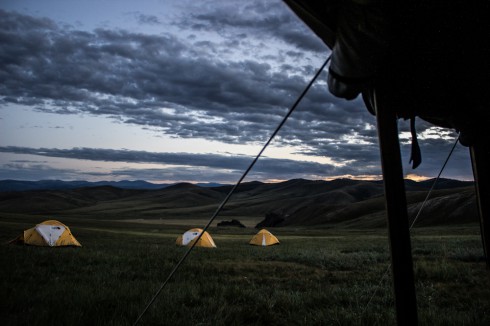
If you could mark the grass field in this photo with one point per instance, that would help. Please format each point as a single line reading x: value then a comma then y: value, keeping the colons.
x: 314, y: 277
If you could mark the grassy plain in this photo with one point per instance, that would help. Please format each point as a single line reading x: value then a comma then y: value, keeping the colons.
x: 314, y: 277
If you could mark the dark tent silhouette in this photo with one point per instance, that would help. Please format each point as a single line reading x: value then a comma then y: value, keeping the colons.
x: 408, y: 59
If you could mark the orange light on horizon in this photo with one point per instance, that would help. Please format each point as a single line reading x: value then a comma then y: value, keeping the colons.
x: 415, y: 177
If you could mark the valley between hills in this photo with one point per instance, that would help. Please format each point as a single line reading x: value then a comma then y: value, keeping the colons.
x: 342, y: 203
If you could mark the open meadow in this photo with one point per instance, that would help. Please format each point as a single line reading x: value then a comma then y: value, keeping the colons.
x: 314, y: 277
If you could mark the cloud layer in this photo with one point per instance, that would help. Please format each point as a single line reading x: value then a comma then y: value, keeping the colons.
x: 226, y: 73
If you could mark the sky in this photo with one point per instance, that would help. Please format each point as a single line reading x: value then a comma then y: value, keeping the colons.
x: 183, y: 91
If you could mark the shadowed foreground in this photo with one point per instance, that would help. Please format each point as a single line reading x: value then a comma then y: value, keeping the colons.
x: 323, y: 277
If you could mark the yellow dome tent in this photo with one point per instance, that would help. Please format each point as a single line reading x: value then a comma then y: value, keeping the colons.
x: 188, y: 238
x: 49, y: 233
x: 264, y: 238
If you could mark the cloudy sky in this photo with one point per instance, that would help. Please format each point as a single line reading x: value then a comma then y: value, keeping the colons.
x: 171, y: 91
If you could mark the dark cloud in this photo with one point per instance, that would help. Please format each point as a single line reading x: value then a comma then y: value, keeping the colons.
x: 233, y: 87
x: 148, y: 19
x: 239, y: 162
x: 222, y: 166
x: 265, y: 20
x: 32, y: 170
x: 133, y: 76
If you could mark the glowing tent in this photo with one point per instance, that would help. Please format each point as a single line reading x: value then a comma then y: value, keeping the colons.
x: 264, y: 238
x: 188, y: 238
x: 49, y: 233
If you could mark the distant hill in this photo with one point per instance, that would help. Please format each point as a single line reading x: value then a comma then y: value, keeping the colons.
x: 342, y: 202
x: 18, y: 185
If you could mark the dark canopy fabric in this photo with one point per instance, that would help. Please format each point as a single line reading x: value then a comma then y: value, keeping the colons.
x: 430, y: 58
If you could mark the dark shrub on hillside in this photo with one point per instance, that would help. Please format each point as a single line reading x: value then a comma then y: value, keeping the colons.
x: 236, y: 223
x: 271, y: 219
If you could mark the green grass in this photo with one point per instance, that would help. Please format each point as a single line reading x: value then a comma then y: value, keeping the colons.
x: 314, y: 277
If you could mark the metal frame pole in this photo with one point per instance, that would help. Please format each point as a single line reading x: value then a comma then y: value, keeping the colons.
x: 396, y: 209
x: 480, y: 162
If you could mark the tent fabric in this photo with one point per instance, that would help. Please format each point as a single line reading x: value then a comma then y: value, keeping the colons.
x: 188, y: 238
x: 427, y: 59
x: 50, y: 233
x: 263, y: 238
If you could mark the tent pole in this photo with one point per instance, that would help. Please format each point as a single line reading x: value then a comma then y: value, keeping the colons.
x: 396, y: 209
x: 480, y: 161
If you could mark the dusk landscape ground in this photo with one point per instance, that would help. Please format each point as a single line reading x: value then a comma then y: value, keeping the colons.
x: 327, y: 274
x: 132, y: 121
x: 322, y: 276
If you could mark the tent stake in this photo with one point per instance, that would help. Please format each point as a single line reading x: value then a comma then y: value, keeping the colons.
x: 396, y: 210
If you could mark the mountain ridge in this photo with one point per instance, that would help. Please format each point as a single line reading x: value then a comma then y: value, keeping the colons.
x: 22, y: 185
x: 298, y: 202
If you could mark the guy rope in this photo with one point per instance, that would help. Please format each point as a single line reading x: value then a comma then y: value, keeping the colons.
x: 223, y: 203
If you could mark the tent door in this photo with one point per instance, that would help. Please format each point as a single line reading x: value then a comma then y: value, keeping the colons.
x: 50, y: 233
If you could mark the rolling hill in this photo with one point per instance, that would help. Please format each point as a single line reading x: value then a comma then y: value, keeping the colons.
x: 341, y: 202
x: 20, y: 185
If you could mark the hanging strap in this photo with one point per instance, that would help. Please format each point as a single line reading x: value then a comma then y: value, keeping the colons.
x: 415, y: 156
